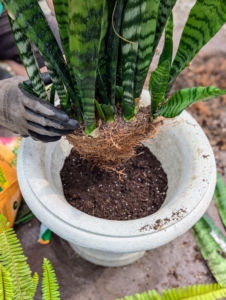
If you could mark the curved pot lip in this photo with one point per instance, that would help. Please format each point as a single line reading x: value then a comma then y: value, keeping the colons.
x: 59, y: 216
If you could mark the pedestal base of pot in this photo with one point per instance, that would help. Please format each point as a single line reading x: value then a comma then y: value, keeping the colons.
x: 107, y: 259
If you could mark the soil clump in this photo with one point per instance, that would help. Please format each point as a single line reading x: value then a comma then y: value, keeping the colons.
x: 138, y: 190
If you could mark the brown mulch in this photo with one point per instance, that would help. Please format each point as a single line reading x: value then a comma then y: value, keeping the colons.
x: 206, y: 70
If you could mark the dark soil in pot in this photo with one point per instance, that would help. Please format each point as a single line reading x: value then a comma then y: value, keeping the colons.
x: 138, y: 190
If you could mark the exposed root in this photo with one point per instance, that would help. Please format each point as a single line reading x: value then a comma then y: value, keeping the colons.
x: 116, y: 141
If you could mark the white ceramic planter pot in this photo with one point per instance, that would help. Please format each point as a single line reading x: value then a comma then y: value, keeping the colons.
x: 186, y: 157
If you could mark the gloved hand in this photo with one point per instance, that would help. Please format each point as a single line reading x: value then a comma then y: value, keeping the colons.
x: 28, y: 115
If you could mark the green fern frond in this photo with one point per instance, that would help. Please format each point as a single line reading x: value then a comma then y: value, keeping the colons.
x: 13, y: 259
x: 6, y: 286
x: 195, y: 292
x: 33, y: 288
x: 49, y: 282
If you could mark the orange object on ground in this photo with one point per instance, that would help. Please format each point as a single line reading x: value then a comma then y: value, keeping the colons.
x: 10, y: 195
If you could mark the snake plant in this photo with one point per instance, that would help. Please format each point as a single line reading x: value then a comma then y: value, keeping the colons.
x: 108, y: 47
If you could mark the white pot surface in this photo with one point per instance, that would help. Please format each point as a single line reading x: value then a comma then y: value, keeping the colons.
x: 188, y: 160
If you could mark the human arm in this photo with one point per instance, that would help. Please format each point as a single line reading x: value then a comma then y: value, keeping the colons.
x: 30, y: 116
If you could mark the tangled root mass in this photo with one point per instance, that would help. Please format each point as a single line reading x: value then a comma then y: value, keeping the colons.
x: 116, y: 141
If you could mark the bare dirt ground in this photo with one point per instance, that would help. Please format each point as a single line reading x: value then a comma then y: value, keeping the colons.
x: 178, y: 263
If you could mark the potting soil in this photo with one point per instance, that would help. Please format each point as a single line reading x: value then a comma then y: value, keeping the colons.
x: 135, y: 190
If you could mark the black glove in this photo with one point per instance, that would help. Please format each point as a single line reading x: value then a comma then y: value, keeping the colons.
x: 28, y: 115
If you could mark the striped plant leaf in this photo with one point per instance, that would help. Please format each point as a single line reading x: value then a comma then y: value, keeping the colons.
x: 32, y: 22
x: 183, y: 98
x: 220, y: 198
x: 165, y: 9
x: 158, y: 84
x: 204, y: 21
x: 59, y: 87
x: 215, y: 232
x: 146, y: 43
x: 100, y: 110
x: 131, y: 29
x: 87, y: 21
x: 167, y: 52
x: 112, y: 51
x: 192, y: 292
x: 101, y: 87
x: 211, y: 250
x: 108, y: 112
x: 29, y: 61
x: 61, y: 11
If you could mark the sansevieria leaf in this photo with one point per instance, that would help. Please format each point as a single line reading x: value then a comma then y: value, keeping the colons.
x: 59, y: 87
x: 6, y: 285
x: 87, y: 21
x: 29, y: 61
x: 158, y: 84
x: 167, y: 52
x: 165, y: 9
x: 32, y: 22
x: 220, y: 198
x: 192, y: 292
x: 204, y: 21
x: 131, y: 29
x: 210, y: 249
x: 146, y: 45
x: 183, y: 98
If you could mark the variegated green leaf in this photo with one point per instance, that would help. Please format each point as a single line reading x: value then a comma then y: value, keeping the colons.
x: 29, y: 61
x: 211, y: 291
x: 32, y: 22
x: 204, y: 21
x: 158, y: 84
x: 167, y: 52
x: 87, y: 28
x: 216, y: 233
x: 101, y: 86
x: 183, y: 98
x: 146, y: 43
x: 210, y: 249
x: 59, y: 87
x: 165, y: 9
x: 62, y: 11
x: 112, y: 51
x: 100, y: 111
x: 108, y: 112
x: 220, y: 198
x: 131, y: 29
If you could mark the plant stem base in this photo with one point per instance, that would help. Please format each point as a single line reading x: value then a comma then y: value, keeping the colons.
x: 105, y: 258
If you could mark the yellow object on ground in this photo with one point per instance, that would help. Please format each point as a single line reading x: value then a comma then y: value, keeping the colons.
x: 10, y: 195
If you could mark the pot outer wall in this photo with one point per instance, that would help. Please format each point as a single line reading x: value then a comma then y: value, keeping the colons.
x: 187, y: 158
